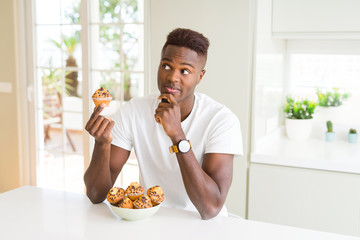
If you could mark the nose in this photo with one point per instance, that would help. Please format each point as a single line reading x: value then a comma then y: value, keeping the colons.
x: 174, y: 76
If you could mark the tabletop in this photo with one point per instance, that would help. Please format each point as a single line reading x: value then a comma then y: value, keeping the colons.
x: 36, y: 213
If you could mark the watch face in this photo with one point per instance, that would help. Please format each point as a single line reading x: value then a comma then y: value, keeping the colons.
x: 184, y: 146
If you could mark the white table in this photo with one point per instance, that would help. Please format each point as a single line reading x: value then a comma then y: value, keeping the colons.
x: 35, y: 213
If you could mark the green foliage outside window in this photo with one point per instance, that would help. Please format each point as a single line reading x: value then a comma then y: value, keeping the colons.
x: 112, y: 11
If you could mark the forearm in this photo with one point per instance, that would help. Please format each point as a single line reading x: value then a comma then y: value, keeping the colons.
x: 97, y: 177
x: 202, y: 190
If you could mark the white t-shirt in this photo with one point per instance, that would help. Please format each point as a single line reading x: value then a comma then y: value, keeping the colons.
x: 211, y: 127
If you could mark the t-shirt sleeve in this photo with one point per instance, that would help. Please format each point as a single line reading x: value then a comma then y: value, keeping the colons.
x: 121, y: 131
x: 225, y: 135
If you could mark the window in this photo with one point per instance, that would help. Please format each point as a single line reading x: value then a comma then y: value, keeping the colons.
x: 301, y: 63
x: 322, y: 66
x: 114, y: 58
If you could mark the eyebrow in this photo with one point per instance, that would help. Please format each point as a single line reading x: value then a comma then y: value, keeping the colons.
x: 183, y: 63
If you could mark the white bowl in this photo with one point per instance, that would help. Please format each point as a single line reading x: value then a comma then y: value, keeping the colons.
x: 134, y: 214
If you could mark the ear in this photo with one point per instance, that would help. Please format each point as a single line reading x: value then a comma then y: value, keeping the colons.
x: 201, y: 76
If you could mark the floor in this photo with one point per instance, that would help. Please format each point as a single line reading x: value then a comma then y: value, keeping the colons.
x: 59, y: 167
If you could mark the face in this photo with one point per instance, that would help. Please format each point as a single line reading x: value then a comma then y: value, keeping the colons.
x: 180, y: 70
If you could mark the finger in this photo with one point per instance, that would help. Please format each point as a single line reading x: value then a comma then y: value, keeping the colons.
x: 108, y: 128
x: 157, y: 118
x: 169, y: 97
x: 94, y: 128
x: 159, y: 110
x: 98, y: 110
x: 102, y: 127
x: 172, y: 99
x: 164, y: 100
x: 94, y: 115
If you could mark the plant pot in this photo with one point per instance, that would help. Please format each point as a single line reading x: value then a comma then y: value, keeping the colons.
x: 352, y: 137
x: 298, y: 129
x: 330, y: 136
x: 333, y: 114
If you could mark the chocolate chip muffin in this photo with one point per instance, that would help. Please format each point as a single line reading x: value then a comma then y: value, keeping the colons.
x: 100, y: 96
x: 143, y: 202
x: 134, y: 191
x: 125, y: 203
x: 156, y: 195
x: 115, y: 194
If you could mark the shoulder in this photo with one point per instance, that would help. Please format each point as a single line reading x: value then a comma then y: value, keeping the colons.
x: 208, y: 105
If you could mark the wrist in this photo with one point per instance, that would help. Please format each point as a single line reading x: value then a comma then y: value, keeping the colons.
x: 103, y: 145
x: 177, y: 138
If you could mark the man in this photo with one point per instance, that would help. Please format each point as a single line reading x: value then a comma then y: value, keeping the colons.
x: 203, y: 135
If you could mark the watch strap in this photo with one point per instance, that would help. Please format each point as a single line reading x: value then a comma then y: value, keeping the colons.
x: 175, y: 149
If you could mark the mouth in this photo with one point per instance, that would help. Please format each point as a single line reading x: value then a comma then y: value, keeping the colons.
x: 171, y: 90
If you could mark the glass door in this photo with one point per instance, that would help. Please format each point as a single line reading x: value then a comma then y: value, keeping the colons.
x: 59, y: 106
x: 113, y: 48
x: 116, y: 47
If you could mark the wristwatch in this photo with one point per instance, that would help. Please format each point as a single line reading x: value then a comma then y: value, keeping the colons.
x: 183, y: 146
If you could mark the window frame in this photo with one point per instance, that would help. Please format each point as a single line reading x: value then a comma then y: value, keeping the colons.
x: 27, y: 65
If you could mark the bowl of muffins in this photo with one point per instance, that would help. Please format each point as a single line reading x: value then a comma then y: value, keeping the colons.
x: 134, y: 203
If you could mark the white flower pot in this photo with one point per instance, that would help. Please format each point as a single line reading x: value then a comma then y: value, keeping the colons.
x: 333, y: 114
x: 298, y: 129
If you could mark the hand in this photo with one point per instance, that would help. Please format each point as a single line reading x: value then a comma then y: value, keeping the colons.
x: 168, y: 114
x: 99, y: 126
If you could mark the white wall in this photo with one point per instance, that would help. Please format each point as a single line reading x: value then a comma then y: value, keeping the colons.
x: 9, y: 152
x: 269, y: 74
x: 227, y: 25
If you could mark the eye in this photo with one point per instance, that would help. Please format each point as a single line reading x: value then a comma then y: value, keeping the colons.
x: 185, y: 71
x: 166, y: 67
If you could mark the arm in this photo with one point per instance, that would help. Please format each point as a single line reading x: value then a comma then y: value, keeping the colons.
x: 207, y: 185
x: 107, y: 160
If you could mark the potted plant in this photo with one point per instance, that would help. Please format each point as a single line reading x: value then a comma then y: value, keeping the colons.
x: 331, y: 97
x: 330, y: 103
x: 330, y: 134
x: 299, y: 116
x: 352, y: 136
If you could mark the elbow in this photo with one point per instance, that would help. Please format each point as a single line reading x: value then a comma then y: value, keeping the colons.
x: 206, y: 215
x: 92, y: 192
x: 210, y: 212
x: 95, y: 196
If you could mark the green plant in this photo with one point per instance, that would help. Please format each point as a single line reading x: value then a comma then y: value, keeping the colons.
x: 299, y: 109
x: 331, y: 97
x: 111, y: 85
x: 51, y: 81
x: 329, y: 126
x: 69, y: 45
x: 352, y: 131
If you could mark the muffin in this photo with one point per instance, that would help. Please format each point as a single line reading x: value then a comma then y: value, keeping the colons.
x: 125, y: 203
x: 115, y: 194
x: 156, y: 195
x: 100, y: 96
x: 143, y: 202
x: 134, y: 191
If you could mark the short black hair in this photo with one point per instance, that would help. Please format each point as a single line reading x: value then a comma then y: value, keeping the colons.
x: 188, y: 38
